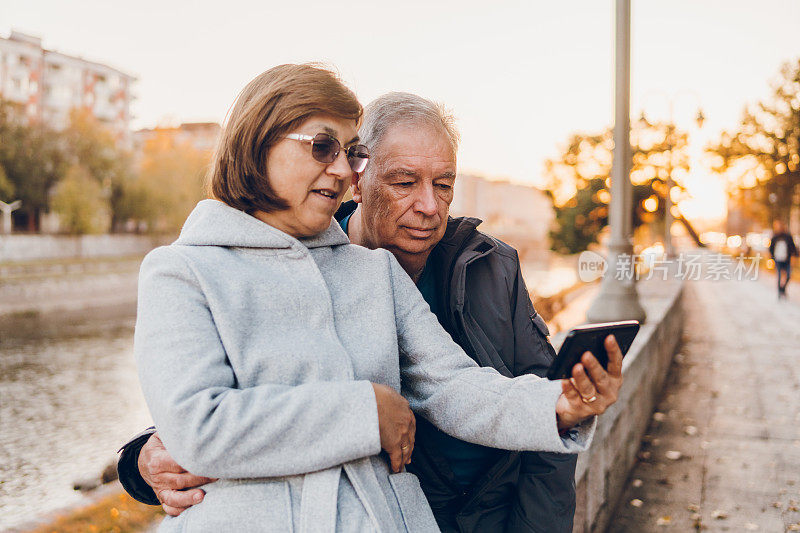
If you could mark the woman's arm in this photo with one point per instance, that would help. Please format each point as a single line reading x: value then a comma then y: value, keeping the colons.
x: 467, y: 401
x: 211, y: 427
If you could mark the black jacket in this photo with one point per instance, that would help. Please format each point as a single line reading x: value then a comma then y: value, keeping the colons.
x: 484, y: 305
x: 790, y: 247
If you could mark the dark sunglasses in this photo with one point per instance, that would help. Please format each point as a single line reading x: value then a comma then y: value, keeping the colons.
x: 325, y: 149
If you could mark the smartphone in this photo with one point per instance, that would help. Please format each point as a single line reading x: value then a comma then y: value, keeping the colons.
x: 591, y: 338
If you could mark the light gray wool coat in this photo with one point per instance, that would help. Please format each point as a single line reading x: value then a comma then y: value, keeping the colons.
x: 256, y: 351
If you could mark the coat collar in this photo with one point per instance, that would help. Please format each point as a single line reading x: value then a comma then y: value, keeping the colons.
x: 214, y: 223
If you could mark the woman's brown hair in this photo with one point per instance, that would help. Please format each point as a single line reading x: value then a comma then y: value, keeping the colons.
x: 269, y: 107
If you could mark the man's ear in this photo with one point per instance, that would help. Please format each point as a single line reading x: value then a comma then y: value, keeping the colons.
x: 356, y: 188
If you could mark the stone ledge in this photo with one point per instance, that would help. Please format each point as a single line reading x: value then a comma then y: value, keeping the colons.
x: 23, y: 247
x: 602, y: 470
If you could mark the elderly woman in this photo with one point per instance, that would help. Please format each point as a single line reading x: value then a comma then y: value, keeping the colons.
x: 272, y: 352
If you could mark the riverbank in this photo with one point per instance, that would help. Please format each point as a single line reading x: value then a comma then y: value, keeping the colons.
x: 26, y: 248
x: 28, y: 288
x: 108, y: 509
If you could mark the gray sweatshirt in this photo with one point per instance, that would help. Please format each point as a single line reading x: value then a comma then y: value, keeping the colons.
x: 256, y: 351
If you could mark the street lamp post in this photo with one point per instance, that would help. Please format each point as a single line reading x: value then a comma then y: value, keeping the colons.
x: 618, y: 298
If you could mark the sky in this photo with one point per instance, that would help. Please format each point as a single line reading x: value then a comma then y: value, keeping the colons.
x: 519, y: 76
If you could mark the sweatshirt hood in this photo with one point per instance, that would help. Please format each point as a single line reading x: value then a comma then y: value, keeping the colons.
x: 213, y: 223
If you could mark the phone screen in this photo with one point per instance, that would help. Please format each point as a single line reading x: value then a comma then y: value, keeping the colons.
x: 591, y: 338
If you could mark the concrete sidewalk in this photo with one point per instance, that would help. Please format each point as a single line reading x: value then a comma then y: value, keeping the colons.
x: 723, y: 449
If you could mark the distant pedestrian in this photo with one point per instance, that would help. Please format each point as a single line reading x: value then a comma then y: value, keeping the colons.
x: 782, y: 249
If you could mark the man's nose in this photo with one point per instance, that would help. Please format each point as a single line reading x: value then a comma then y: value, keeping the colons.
x: 426, y: 201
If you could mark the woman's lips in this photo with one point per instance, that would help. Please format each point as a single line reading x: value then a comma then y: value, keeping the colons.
x: 326, y: 195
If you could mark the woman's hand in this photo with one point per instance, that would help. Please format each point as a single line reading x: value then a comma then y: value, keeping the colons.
x: 591, y: 389
x: 397, y: 425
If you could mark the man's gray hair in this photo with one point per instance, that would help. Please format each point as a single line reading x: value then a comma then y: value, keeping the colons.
x: 404, y: 108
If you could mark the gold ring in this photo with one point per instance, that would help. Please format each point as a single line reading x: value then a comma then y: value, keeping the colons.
x: 588, y: 400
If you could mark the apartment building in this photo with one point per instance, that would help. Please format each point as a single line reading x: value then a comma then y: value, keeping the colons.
x: 49, y: 84
x: 201, y: 136
x: 520, y: 215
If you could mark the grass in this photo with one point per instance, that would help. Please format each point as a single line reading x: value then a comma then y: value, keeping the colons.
x: 117, y: 513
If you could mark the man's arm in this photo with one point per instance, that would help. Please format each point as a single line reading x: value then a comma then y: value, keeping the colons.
x: 150, y: 475
x: 128, y: 469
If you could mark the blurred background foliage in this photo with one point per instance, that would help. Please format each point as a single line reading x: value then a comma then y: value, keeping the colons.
x: 579, y: 181
x: 93, y: 185
x: 761, y: 157
x: 759, y: 161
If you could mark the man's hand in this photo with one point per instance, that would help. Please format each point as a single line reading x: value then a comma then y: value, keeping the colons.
x: 397, y: 425
x: 591, y: 389
x: 175, y: 488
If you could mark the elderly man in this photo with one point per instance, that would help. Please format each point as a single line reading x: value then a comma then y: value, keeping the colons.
x: 473, y: 284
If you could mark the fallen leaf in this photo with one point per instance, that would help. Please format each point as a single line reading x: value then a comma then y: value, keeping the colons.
x: 636, y: 502
x: 793, y: 527
x: 719, y: 514
x: 693, y: 507
x: 777, y: 505
x: 673, y: 455
x: 664, y: 521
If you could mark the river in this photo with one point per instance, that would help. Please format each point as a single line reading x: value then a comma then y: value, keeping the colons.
x: 69, y: 397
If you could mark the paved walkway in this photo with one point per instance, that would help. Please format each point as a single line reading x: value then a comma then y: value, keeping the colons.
x: 723, y: 450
